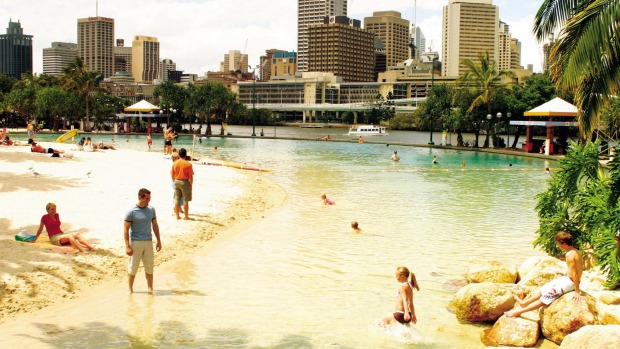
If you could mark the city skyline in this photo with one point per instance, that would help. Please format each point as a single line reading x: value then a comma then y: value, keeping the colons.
x: 196, y: 34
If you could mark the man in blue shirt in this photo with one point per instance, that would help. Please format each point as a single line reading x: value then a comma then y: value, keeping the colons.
x: 138, y: 238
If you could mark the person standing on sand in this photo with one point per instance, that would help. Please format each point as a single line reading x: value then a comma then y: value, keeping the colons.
x: 149, y: 141
x: 555, y: 288
x: 30, y: 129
x: 182, y: 174
x: 139, y: 240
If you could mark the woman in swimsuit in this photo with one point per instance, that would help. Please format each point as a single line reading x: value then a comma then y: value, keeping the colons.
x: 405, y: 312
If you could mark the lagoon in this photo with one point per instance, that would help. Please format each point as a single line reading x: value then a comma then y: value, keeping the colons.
x: 300, y: 278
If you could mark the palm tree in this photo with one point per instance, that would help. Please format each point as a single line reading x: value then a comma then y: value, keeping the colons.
x: 78, y: 78
x: 484, y: 77
x: 585, y: 59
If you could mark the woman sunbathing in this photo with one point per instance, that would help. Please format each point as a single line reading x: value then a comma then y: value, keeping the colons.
x: 51, y: 222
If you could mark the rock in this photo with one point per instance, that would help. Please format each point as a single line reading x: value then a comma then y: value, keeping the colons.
x: 514, y: 332
x: 565, y: 316
x: 593, y: 336
x: 610, y: 297
x: 482, y: 302
x: 608, y: 314
x: 527, y: 266
x: 548, y: 269
x: 491, y: 271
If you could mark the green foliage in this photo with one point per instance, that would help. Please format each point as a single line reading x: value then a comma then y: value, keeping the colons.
x: 381, y: 109
x: 610, y: 122
x: 404, y: 121
x: 582, y: 199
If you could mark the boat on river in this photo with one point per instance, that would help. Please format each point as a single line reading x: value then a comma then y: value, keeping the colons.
x: 367, y: 130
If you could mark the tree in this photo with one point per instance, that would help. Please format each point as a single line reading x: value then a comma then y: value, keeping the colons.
x: 51, y: 102
x: 213, y: 101
x: 381, y: 109
x: 78, y: 78
x: 484, y: 77
x: 171, y: 96
x: 582, y: 199
x: 585, y: 58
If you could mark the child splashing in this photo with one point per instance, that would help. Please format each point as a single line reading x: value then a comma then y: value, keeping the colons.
x: 326, y: 201
x: 404, y: 312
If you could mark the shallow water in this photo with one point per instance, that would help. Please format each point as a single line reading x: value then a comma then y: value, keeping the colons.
x: 301, y: 279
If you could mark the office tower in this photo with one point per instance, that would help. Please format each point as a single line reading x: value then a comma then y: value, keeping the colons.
x: 265, y: 64
x: 144, y: 59
x: 419, y: 41
x: 547, y: 54
x: 283, y: 63
x: 393, y: 31
x: 342, y: 47
x: 15, y: 51
x: 469, y: 28
x: 166, y: 66
x: 96, y: 44
x: 380, y: 59
x: 234, y: 61
x: 515, y: 54
x: 122, y: 59
x: 503, y: 47
x: 311, y: 12
x: 58, y: 57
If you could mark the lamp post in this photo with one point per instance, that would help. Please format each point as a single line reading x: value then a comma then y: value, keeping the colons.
x: 495, y: 138
x: 489, y: 117
x: 254, y: 102
x: 432, y: 85
x: 508, y: 115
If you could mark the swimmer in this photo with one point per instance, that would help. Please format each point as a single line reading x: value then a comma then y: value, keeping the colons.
x: 215, y: 150
x: 547, y: 170
x: 355, y: 227
x: 327, y: 201
x: 395, y: 156
x: 405, y: 311
x: 435, y: 160
x: 463, y: 163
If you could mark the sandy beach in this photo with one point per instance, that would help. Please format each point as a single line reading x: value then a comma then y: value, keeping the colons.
x: 92, y: 192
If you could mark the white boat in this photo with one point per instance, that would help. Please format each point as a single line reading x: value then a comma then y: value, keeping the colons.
x: 367, y: 130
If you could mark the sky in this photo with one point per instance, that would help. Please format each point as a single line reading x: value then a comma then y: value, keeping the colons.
x: 197, y: 33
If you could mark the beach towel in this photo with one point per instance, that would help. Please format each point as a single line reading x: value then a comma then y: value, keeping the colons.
x: 46, y: 244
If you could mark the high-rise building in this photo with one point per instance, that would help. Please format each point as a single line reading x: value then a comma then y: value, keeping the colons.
x: 503, y: 46
x: 96, y: 44
x: 283, y: 64
x: 311, y: 12
x: 515, y: 54
x: 393, y: 31
x: 469, y: 28
x: 380, y: 59
x: 15, y: 51
x: 58, y: 57
x: 419, y: 40
x: 122, y: 59
x: 145, y: 59
x: 342, y: 47
x: 265, y: 64
x: 547, y: 54
x: 234, y: 60
x: 165, y: 66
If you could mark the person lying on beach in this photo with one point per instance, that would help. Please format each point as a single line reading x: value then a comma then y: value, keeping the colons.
x: 405, y: 311
x: 555, y: 288
x: 36, y: 148
x: 105, y: 146
x: 324, y: 138
x: 51, y: 222
x: 327, y: 201
x: 356, y: 228
x: 6, y: 141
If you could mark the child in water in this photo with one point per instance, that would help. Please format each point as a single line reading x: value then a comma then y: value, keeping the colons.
x: 435, y: 160
x: 404, y: 312
x: 327, y: 201
x: 356, y: 228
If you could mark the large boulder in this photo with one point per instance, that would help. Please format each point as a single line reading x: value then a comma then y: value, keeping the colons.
x: 565, y: 316
x: 610, y: 297
x: 608, y: 314
x: 491, y: 271
x: 482, y: 302
x: 593, y: 336
x: 513, y: 332
x: 527, y: 266
x: 546, y: 270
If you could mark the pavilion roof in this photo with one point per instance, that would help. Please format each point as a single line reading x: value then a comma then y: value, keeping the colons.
x: 555, y: 107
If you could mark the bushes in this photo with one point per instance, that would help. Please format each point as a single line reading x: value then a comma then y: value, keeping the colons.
x: 582, y: 199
